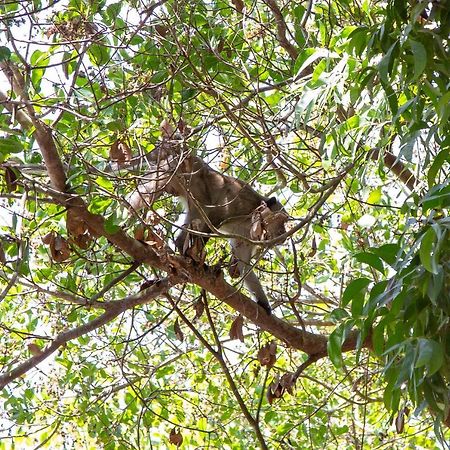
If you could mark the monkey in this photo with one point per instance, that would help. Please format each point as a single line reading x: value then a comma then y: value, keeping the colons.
x: 214, y: 202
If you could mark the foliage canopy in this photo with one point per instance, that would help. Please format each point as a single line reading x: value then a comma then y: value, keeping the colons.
x: 110, y: 339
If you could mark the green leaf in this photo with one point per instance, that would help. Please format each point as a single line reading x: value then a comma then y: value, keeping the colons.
x: 99, y: 204
x: 371, y: 259
x: 430, y: 354
x: 110, y: 225
x: 9, y: 145
x: 105, y: 183
x: 334, y: 347
x: 374, y: 196
x: 420, y: 58
x: 439, y: 160
x: 5, y: 53
x: 98, y: 54
x: 390, y: 253
x: 385, y: 65
x: 426, y: 251
x: 354, y: 288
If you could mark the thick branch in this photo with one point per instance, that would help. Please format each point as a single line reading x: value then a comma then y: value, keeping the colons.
x: 41, y: 132
x: 396, y: 167
x: 113, y: 311
x: 282, y: 29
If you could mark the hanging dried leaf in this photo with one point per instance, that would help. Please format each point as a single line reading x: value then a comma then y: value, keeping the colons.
x: 236, y: 328
x: 287, y: 382
x: 313, y: 247
x: 400, y: 420
x: 275, y: 390
x: 59, y: 248
x: 83, y: 241
x: 154, y: 240
x: 267, y: 354
x: 77, y: 229
x: 193, y: 245
x: 11, y: 177
x: 199, y: 307
x: 175, y: 437
x: 2, y: 254
x: 74, y: 223
x: 178, y: 333
x: 120, y: 152
x: 34, y: 349
x: 239, y: 5
x: 167, y: 130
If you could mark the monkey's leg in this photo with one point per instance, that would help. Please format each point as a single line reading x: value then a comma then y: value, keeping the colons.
x: 243, y: 251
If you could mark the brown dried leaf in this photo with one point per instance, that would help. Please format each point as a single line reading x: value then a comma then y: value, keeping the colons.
x: 48, y: 238
x: 256, y: 230
x: 74, y: 223
x: 275, y: 390
x: 313, y: 247
x: 199, y: 307
x: 120, y: 152
x: 400, y: 423
x: 270, y: 396
x: 287, y: 382
x: 239, y: 5
x: 34, y: 349
x: 400, y: 420
x: 2, y: 254
x: 59, y: 248
x: 236, y: 328
x: 178, y: 333
x: 154, y: 240
x: 175, y: 437
x: 11, y: 177
x: 83, y: 241
x: 226, y: 159
x: 267, y: 354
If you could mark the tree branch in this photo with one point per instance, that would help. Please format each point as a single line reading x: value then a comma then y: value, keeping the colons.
x: 115, y: 308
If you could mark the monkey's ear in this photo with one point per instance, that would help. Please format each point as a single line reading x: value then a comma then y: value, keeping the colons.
x: 271, y: 201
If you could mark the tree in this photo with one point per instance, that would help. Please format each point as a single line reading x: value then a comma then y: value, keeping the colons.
x: 112, y: 339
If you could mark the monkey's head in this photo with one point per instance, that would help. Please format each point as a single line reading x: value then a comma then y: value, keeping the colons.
x: 274, y: 204
x: 268, y: 220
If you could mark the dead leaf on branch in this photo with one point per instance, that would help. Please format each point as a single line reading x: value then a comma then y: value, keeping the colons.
x: 78, y: 229
x: 279, y: 386
x: 178, y: 333
x: 267, y: 354
x: 274, y: 391
x: 199, y: 308
x: 175, y: 437
x: 120, y: 152
x: 313, y: 248
x: 236, y: 328
x: 11, y: 177
x: 59, y: 248
x: 2, y: 255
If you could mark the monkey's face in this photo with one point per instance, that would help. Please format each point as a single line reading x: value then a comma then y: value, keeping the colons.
x: 268, y: 221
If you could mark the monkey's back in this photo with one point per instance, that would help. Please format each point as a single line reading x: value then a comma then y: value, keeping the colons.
x: 222, y: 198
